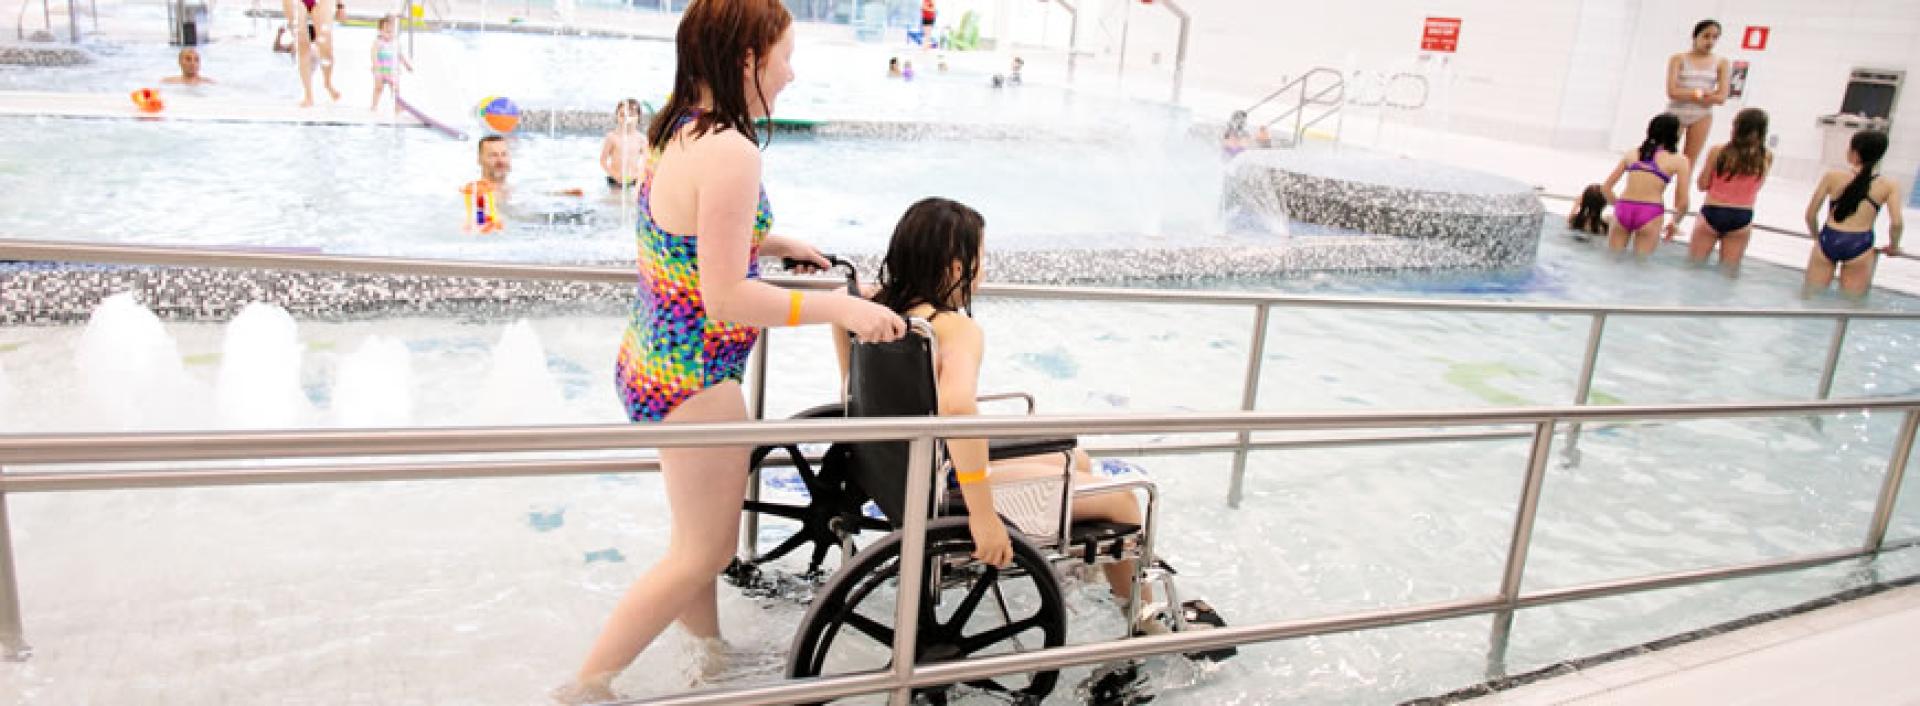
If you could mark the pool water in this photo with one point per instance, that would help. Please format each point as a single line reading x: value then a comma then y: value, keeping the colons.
x: 375, y: 592
x: 386, y: 191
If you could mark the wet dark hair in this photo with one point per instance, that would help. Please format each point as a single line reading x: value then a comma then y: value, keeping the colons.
x: 1593, y: 202
x: 1746, y: 153
x: 481, y: 146
x: 1871, y: 145
x: 933, y: 235
x: 1700, y: 27
x: 1663, y: 133
x: 714, y: 39
x: 1236, y: 124
x: 633, y: 108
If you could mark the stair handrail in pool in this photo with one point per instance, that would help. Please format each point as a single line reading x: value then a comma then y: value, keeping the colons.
x: 922, y: 433
x: 1337, y: 89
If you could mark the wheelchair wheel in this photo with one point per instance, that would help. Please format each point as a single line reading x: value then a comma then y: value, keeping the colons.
x: 831, y: 515
x: 981, y: 611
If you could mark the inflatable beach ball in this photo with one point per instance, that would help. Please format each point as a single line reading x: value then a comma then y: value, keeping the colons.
x: 498, y: 114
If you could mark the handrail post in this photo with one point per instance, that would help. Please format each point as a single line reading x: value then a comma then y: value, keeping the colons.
x: 1890, y: 486
x: 13, y: 637
x: 1840, y: 325
x: 1249, y: 396
x: 757, y: 407
x: 1299, y: 111
x: 1589, y: 362
x: 1517, y: 548
x: 1180, y: 53
x: 1073, y: 36
x: 913, y: 557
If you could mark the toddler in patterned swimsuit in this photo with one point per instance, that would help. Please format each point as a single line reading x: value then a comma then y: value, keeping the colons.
x: 386, y: 61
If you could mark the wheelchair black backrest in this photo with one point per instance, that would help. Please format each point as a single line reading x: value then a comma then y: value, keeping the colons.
x: 894, y: 379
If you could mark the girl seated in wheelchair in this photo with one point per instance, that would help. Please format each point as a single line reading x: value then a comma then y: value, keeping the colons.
x: 931, y: 271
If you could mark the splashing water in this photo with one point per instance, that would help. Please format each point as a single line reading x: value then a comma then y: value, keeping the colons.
x: 517, y: 382
x: 1251, y: 204
x: 259, y: 381
x: 130, y: 369
x: 374, y: 386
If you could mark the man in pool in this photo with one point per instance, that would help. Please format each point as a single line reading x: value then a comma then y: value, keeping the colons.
x: 189, y: 70
x: 496, y: 163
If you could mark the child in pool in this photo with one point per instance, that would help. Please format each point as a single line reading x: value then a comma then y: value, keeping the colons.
x: 1589, y: 213
x: 622, y: 153
x: 1640, y: 210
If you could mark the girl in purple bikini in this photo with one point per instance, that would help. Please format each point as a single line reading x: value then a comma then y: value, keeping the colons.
x: 1639, y: 211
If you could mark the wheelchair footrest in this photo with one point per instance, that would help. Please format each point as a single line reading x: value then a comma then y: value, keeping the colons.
x: 1201, y: 616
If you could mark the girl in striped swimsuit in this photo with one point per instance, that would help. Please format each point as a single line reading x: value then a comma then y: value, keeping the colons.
x: 1696, y: 82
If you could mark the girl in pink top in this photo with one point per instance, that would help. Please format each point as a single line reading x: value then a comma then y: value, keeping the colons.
x: 1732, y: 178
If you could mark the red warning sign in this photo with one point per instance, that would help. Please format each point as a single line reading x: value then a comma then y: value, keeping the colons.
x: 1755, y: 38
x: 1441, y: 34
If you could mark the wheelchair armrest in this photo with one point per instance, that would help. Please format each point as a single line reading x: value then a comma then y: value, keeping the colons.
x: 1028, y: 398
x: 1019, y: 447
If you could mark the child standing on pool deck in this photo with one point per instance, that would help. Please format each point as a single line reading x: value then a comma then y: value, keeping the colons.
x: 386, y: 59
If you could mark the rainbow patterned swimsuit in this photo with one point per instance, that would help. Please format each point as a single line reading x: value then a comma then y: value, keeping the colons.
x: 671, y: 349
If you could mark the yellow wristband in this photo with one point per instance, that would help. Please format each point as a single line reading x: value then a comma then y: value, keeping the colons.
x: 970, y: 477
x: 793, y: 308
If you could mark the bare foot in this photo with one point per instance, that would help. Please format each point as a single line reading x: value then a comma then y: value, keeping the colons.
x: 582, y: 693
x: 306, y: 102
x: 336, y: 93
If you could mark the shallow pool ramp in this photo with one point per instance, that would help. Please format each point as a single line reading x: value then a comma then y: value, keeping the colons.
x: 1854, y: 652
x: 183, y: 106
x: 44, y: 463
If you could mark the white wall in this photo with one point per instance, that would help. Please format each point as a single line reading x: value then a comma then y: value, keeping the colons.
x: 1583, y: 74
x: 1505, y: 80
x: 1601, y: 47
x: 1802, y: 73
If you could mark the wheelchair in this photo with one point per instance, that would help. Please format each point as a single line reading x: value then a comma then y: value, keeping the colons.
x: 847, y: 626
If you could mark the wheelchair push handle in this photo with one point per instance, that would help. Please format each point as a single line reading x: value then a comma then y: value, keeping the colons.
x: 853, y: 273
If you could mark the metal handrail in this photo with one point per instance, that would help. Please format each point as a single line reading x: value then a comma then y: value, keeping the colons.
x: 1262, y: 303
x: 1800, y: 233
x: 1315, y: 71
x: 114, y: 447
x: 1298, y: 110
x: 1073, y: 35
x: 922, y: 434
x: 20, y: 21
x: 117, y: 254
x: 1180, y: 51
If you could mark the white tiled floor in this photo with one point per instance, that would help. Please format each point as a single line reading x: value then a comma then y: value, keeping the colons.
x: 1861, y: 652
